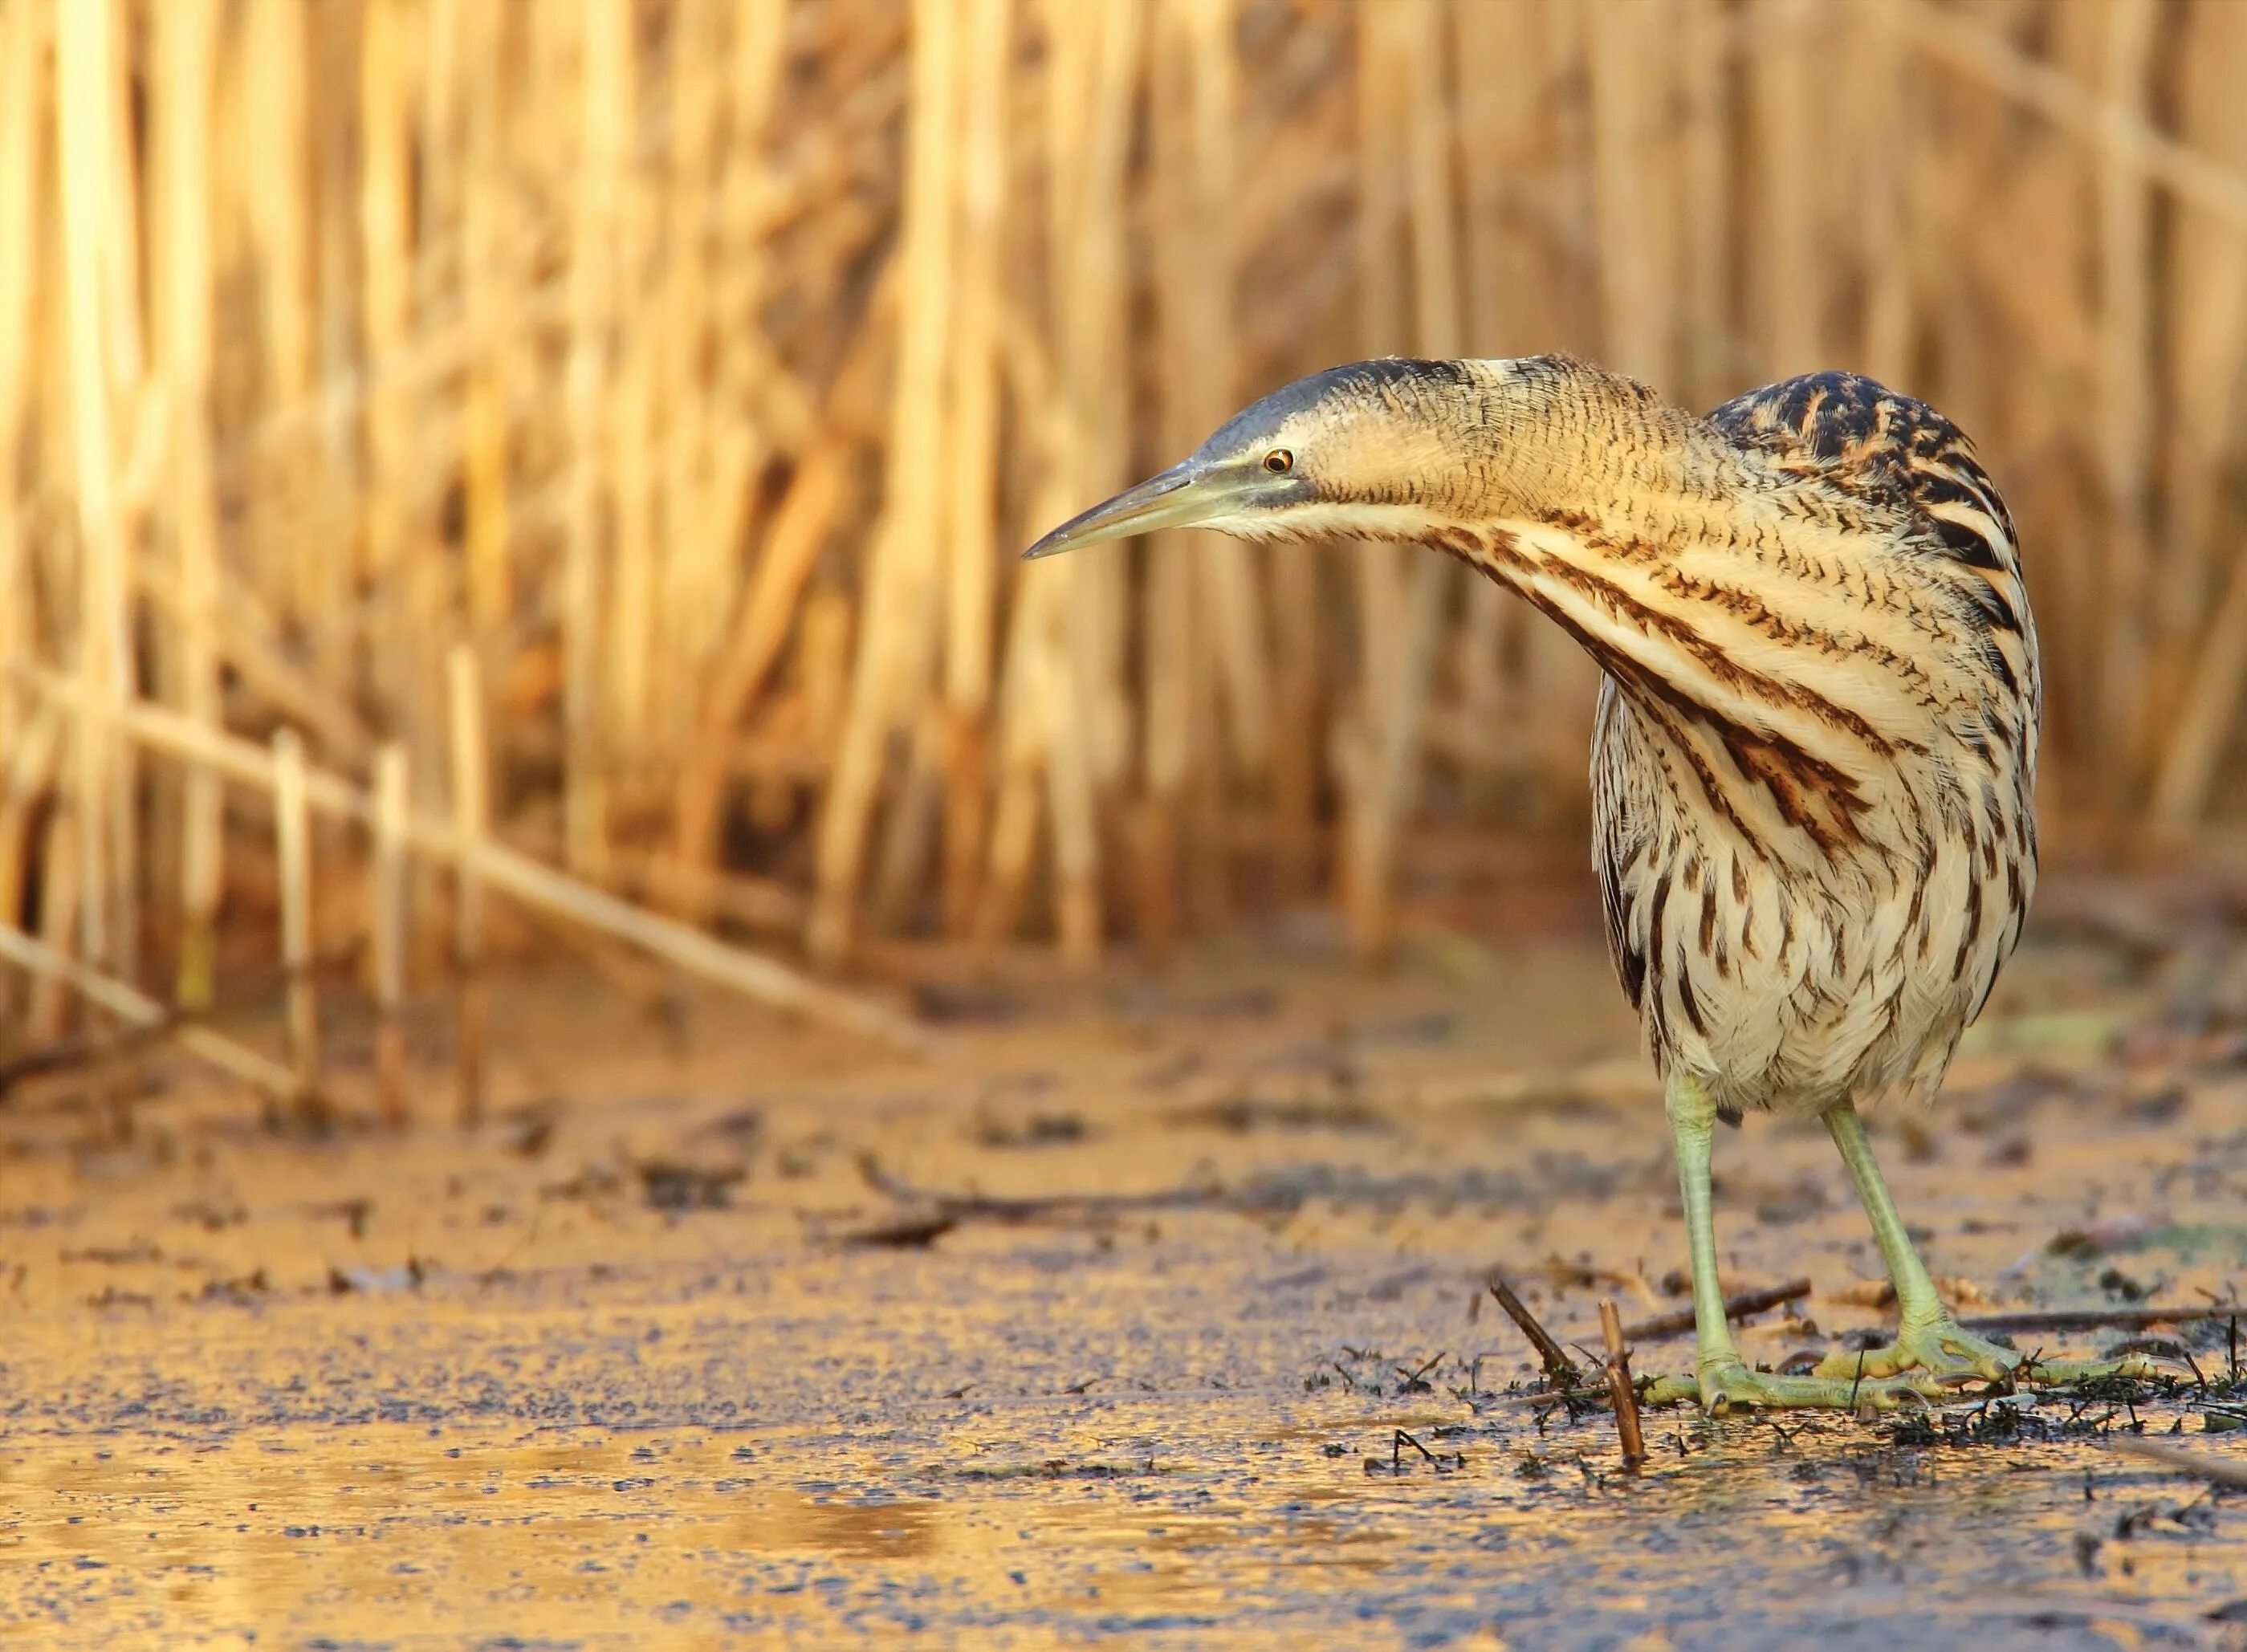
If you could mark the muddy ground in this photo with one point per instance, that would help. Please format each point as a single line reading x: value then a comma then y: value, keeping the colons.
x: 722, y: 1332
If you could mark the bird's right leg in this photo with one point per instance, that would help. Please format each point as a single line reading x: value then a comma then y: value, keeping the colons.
x: 1722, y: 1380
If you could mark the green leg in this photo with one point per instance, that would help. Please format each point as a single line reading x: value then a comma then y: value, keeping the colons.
x: 1928, y: 1340
x: 1722, y: 1381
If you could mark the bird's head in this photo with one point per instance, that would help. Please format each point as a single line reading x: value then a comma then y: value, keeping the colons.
x: 1367, y: 448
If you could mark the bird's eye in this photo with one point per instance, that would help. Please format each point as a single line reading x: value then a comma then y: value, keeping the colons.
x: 1279, y: 461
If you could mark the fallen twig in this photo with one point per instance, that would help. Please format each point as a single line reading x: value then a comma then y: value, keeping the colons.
x: 2214, y: 1470
x: 2096, y: 1319
x: 1559, y: 1369
x: 1619, y: 1389
x: 907, y: 1233
x: 958, y: 1207
x: 130, y: 1005
x: 1739, y: 1306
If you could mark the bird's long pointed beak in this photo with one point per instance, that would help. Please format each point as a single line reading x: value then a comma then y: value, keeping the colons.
x: 1179, y: 497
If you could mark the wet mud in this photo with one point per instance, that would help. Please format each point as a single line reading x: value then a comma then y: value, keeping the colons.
x: 1154, y: 1305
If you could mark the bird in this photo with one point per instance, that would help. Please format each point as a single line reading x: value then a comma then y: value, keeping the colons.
x: 1813, y: 763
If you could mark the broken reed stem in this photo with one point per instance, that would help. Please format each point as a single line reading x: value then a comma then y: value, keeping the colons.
x: 292, y: 832
x: 1559, y: 1369
x: 277, y: 1082
x: 529, y: 881
x: 392, y: 809
x: 1619, y: 1387
x: 1739, y: 1306
x: 471, y: 822
x: 2201, y: 1464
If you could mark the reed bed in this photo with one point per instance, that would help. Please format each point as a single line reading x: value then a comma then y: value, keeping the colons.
x: 575, y: 448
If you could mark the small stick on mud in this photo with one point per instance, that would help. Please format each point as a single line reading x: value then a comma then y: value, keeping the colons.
x: 2214, y: 1470
x: 2095, y: 1318
x: 390, y: 919
x: 1619, y: 1387
x: 471, y: 820
x: 1739, y: 1306
x: 293, y: 841
x: 1559, y: 1369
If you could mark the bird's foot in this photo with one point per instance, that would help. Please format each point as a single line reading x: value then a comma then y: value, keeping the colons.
x: 1940, y: 1348
x: 1946, y: 1353
x: 1729, y: 1387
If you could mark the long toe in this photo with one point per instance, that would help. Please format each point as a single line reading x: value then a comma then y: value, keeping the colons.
x: 2062, y: 1373
x: 1730, y: 1389
x: 1976, y: 1355
x: 1944, y: 1351
x: 1870, y: 1363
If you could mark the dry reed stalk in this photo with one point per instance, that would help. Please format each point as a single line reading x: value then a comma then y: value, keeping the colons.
x: 1207, y: 350
x: 1384, y: 116
x: 1557, y: 679
x: 487, y: 277
x: 471, y: 826
x: 387, y: 927
x: 33, y: 762
x: 604, y: 48
x: 2205, y: 317
x: 396, y: 559
x: 386, y: 284
x: 23, y: 38
x: 902, y: 871
x: 2211, y: 706
x: 52, y: 966
x: 744, y: 360
x: 1789, y: 293
x: 61, y: 883
x: 106, y: 819
x: 1401, y: 82
x: 1632, y: 326
x: 1495, y: 70
x: 2125, y: 434
x: 292, y: 831
x: 501, y: 867
x: 1194, y: 295
x: 1029, y: 720
x: 1705, y: 202
x: 271, y: 87
x: 799, y: 527
x: 897, y: 640
x: 186, y: 42
x: 1093, y: 72
x: 971, y: 533
x: 697, y: 517
x: 1884, y: 108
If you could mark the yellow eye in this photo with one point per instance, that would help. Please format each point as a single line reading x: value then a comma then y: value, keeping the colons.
x: 1279, y: 461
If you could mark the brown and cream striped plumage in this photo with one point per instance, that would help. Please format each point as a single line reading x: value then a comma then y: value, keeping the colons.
x: 1810, y: 884
x: 1816, y: 742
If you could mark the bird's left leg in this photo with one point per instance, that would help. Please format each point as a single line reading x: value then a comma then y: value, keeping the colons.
x: 1927, y: 1338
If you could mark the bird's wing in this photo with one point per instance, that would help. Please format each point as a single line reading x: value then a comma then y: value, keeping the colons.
x: 1884, y: 448
x: 1887, y: 449
x: 1617, y: 841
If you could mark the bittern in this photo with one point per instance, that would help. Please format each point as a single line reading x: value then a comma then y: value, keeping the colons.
x: 1814, y: 756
